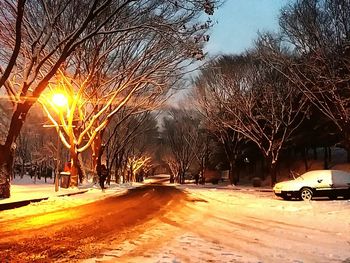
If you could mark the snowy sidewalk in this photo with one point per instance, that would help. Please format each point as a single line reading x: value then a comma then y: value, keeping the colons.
x: 224, y: 186
x: 25, y: 191
x: 36, y: 191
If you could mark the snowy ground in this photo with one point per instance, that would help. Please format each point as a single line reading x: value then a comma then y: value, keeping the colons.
x: 224, y: 225
x: 28, y: 189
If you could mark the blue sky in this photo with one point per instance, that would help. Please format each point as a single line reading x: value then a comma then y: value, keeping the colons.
x: 238, y: 24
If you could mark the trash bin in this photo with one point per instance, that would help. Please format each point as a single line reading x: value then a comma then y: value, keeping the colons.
x: 64, y: 179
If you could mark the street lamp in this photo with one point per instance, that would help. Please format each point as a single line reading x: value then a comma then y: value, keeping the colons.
x: 60, y: 101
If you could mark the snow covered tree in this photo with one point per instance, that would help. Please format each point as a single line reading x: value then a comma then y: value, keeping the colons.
x: 130, y: 140
x: 318, y: 33
x: 207, y: 91
x: 257, y: 102
x: 183, y: 137
x: 40, y: 38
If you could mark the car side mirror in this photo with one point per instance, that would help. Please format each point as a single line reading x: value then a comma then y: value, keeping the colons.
x: 319, y: 180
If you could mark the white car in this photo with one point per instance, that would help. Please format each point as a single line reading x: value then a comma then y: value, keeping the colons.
x: 329, y: 183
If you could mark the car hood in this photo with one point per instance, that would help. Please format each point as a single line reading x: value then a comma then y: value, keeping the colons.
x: 294, y: 185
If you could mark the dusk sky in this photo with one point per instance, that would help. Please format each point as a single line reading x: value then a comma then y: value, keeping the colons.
x: 239, y: 21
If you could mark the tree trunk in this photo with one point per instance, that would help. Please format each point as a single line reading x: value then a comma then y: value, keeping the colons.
x: 7, y: 150
x: 96, y: 149
x: 202, y: 179
x: 304, y: 153
x: 109, y: 176
x: 273, y: 174
x: 6, y: 163
x: 271, y: 166
x: 118, y: 176
x: 108, y: 181
x: 265, y: 171
x: 202, y: 170
x: 233, y: 176
x: 172, y: 178
x: 81, y: 172
x: 74, y: 167
x: 117, y: 171
x: 132, y: 174
x: 178, y: 176
x: 22, y: 170
x: 325, y: 159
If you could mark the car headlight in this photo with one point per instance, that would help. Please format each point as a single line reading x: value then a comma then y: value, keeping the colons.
x: 277, y: 186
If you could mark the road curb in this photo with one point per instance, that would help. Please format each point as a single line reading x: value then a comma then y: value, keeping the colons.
x: 262, y: 190
x: 251, y: 190
x: 17, y: 204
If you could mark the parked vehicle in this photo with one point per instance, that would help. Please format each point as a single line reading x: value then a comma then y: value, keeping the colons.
x: 328, y: 183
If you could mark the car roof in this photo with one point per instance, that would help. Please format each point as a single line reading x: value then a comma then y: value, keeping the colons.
x: 325, y: 173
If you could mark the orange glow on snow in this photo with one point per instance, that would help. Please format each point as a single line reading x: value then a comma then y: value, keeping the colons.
x: 46, y: 220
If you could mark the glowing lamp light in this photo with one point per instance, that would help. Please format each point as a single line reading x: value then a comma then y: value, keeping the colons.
x: 59, y: 100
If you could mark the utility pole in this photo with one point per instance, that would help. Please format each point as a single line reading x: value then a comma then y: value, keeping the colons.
x: 57, y: 163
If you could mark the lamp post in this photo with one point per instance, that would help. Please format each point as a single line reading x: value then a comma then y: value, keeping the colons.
x: 57, y: 156
x: 59, y: 100
x: 57, y: 163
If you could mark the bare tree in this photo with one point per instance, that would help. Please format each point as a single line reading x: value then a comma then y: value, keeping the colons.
x: 174, y: 166
x: 183, y: 137
x: 256, y: 102
x: 318, y: 33
x: 201, y: 139
x: 207, y: 90
x: 130, y: 144
x: 44, y: 41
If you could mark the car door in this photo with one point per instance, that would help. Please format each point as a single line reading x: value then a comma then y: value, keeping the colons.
x: 341, y: 180
x: 323, y: 182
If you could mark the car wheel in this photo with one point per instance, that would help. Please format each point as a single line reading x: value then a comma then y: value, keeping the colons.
x: 306, y: 194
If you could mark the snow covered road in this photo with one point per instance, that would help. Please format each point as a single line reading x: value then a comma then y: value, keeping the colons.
x: 241, y: 226
x: 183, y: 224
